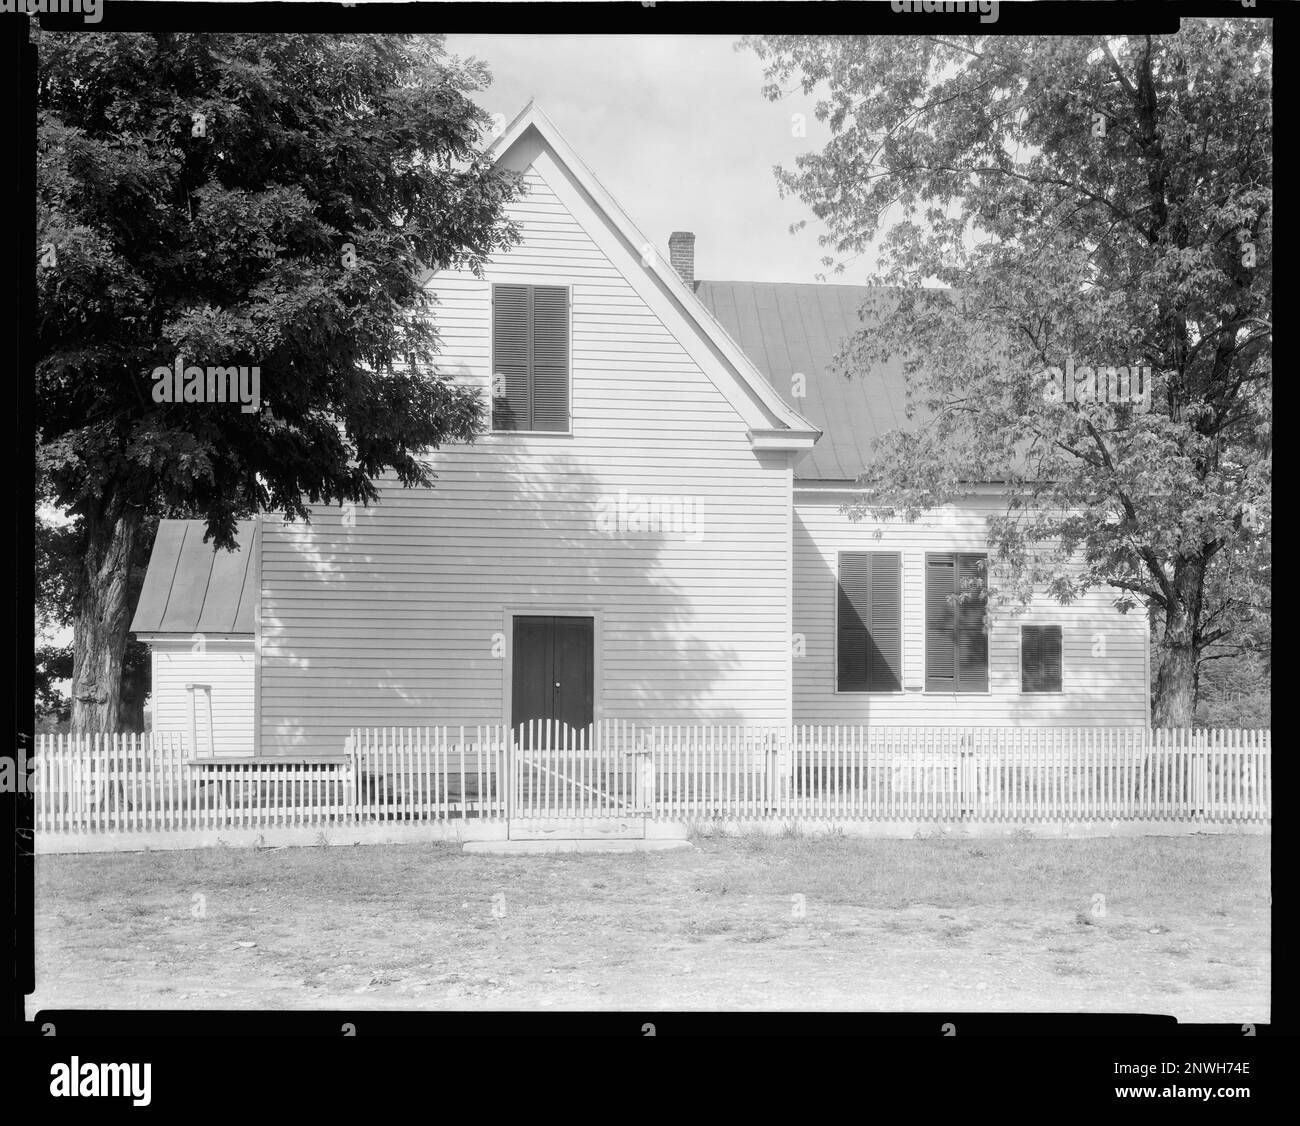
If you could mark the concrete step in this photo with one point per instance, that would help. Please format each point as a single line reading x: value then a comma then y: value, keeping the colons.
x: 576, y: 828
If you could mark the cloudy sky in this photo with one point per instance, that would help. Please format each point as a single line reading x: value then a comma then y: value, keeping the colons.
x: 676, y: 127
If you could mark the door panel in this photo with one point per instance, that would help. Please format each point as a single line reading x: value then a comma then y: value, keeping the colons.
x: 573, y: 671
x: 553, y: 670
x: 531, y: 683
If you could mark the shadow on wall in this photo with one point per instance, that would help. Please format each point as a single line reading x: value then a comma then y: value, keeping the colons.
x: 395, y: 615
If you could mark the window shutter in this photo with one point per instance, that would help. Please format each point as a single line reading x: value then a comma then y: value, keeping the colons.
x: 956, y: 646
x: 1031, y: 658
x: 940, y: 622
x: 1051, y: 658
x: 530, y: 357
x: 972, y: 641
x: 550, y: 357
x: 1040, y: 659
x: 885, y: 644
x: 869, y: 640
x: 854, y: 619
x: 510, y: 400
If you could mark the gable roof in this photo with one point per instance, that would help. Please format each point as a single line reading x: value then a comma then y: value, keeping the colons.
x: 788, y: 426
x: 789, y: 329
x: 191, y: 587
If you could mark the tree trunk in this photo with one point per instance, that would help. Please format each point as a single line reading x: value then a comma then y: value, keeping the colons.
x: 103, y: 617
x: 1175, y: 701
x: 1175, y: 696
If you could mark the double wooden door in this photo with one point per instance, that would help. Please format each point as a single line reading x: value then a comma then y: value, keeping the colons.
x: 554, y: 671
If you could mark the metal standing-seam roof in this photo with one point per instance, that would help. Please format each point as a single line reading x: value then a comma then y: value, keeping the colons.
x: 788, y: 328
x: 192, y: 588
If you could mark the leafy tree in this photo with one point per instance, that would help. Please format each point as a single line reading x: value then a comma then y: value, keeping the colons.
x: 259, y: 200
x: 53, y: 663
x: 1234, y: 690
x: 56, y: 565
x: 1104, y: 202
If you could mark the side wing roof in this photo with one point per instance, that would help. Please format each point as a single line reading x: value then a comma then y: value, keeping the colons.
x: 192, y: 588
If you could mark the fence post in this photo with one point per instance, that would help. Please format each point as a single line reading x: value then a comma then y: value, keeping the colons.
x: 647, y: 772
x: 643, y: 776
x: 350, y: 774
x: 1198, y: 756
x: 966, y: 785
x: 774, y: 772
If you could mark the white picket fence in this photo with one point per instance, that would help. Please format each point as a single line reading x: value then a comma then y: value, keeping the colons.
x: 1029, y: 774
x: 143, y: 783
x: 154, y: 783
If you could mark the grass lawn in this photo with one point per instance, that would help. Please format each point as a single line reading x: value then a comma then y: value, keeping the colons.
x: 738, y: 923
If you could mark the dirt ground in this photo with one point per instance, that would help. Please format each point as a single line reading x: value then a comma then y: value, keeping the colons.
x: 1176, y: 925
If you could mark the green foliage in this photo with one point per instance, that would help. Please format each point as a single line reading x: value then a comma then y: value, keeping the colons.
x: 1234, y: 691
x: 1100, y: 201
x: 53, y: 663
x: 56, y: 554
x: 197, y: 191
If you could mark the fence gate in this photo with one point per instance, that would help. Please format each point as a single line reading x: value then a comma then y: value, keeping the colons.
x: 572, y: 783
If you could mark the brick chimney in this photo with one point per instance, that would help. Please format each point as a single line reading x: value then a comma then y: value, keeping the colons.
x: 681, y: 252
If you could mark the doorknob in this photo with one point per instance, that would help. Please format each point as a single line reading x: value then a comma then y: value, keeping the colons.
x: 557, y: 684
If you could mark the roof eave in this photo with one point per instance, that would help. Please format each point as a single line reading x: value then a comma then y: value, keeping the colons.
x: 208, y: 636
x: 784, y: 439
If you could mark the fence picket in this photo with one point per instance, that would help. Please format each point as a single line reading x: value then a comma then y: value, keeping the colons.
x: 1266, y: 780
x: 1229, y: 775
x: 102, y: 783
x: 1257, y: 777
x: 1222, y: 797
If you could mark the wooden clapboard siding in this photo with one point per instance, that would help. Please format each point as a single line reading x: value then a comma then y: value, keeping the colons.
x: 1098, y: 691
x: 228, y: 666
x: 396, y: 615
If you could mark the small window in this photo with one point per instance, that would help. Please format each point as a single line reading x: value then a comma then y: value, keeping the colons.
x: 530, y: 357
x: 869, y: 635
x: 956, y: 641
x: 1040, y: 658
